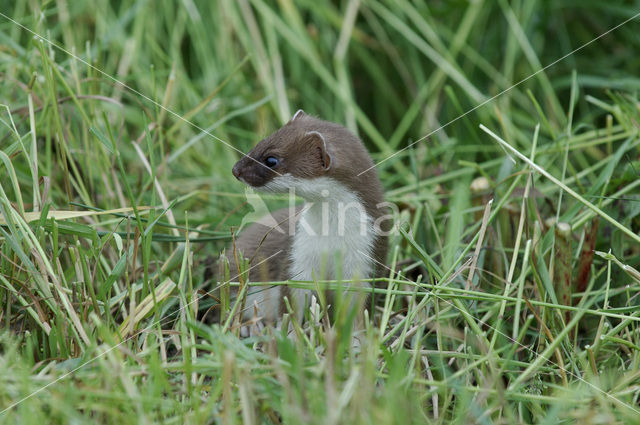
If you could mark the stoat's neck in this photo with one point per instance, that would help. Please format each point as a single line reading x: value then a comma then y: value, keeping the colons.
x: 333, y: 210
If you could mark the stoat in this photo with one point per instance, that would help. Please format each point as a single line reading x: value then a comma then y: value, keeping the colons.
x: 339, y: 232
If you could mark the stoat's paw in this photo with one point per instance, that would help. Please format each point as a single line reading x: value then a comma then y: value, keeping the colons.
x: 245, y: 331
x: 254, y: 327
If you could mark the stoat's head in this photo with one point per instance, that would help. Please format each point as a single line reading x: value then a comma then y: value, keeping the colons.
x: 297, y: 151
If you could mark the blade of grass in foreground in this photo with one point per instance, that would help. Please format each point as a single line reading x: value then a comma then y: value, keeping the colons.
x: 564, y: 187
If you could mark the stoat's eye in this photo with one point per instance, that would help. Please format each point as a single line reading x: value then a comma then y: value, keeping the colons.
x: 271, y: 161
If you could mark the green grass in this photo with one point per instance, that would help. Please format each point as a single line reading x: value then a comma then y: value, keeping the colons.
x: 493, y: 312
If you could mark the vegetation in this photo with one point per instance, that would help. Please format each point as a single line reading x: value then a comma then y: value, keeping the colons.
x: 514, y: 276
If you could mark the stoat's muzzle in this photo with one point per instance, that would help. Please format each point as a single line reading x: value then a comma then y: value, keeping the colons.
x: 252, y: 172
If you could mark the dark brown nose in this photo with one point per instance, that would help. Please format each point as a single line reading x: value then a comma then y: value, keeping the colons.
x: 236, y: 170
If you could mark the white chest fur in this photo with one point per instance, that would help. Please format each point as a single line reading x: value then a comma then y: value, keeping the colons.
x: 334, y: 236
x: 333, y: 240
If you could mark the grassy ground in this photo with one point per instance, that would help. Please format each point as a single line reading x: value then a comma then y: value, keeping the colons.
x: 513, y: 290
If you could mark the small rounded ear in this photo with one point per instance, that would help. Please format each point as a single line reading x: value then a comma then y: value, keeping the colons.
x: 317, y: 139
x: 299, y: 114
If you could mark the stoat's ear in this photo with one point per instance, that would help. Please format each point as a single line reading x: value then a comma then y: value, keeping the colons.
x: 319, y: 145
x: 299, y: 114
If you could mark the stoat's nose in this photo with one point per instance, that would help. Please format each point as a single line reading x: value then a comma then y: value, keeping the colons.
x: 250, y: 172
x: 236, y: 170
